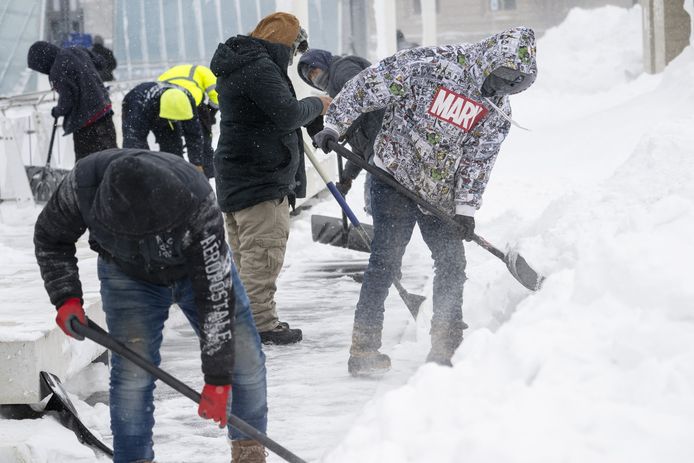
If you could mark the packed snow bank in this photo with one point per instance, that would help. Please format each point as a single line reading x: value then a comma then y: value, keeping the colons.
x: 599, y: 365
x: 591, y: 51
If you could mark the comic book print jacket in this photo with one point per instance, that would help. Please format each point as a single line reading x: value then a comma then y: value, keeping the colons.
x: 439, y: 138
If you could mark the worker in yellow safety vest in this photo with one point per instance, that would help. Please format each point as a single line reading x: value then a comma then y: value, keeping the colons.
x: 201, y: 83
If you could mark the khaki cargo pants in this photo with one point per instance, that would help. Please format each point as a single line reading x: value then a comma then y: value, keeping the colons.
x: 258, y: 239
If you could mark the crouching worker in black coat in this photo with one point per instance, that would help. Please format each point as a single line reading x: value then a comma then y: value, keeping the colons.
x: 168, y: 112
x: 83, y: 101
x: 154, y: 221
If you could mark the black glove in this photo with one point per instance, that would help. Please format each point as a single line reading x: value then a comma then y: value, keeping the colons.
x: 324, y: 137
x: 466, y: 227
x: 314, y: 126
x: 344, y: 186
x: 54, y: 112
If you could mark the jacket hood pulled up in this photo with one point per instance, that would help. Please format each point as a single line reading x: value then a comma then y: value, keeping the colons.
x: 41, y: 56
x: 239, y: 51
x: 129, y: 203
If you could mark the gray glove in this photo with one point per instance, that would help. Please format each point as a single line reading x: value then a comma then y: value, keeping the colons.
x: 466, y: 227
x: 323, y: 138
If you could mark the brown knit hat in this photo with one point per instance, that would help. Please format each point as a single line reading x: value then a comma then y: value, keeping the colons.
x: 278, y: 27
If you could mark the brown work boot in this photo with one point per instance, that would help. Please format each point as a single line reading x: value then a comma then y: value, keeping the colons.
x: 247, y: 451
x: 367, y: 363
x: 365, y: 359
x: 444, y: 342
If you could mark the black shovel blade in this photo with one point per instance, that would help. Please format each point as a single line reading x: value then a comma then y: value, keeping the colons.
x: 43, y: 181
x: 61, y: 404
x: 521, y: 271
x: 330, y: 230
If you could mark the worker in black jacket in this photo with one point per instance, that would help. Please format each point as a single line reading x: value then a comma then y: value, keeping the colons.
x: 323, y: 71
x: 83, y: 101
x: 167, y: 111
x: 154, y: 221
x: 109, y: 62
x: 259, y: 161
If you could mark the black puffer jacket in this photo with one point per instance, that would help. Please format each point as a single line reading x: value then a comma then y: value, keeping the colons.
x: 260, y: 154
x: 154, y: 216
x: 83, y: 99
x: 362, y: 134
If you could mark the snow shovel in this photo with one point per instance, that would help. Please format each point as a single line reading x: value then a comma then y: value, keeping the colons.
x: 97, y: 334
x: 412, y: 301
x: 43, y: 180
x: 61, y: 404
x: 336, y: 232
x: 516, y: 264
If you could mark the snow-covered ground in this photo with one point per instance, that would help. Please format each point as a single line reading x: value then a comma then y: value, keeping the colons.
x: 598, y: 366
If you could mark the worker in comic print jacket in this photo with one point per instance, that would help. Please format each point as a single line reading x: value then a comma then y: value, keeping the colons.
x: 155, y: 223
x: 447, y: 113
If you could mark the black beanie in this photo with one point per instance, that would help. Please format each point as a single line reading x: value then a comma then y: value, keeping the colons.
x: 141, y: 195
x: 41, y: 56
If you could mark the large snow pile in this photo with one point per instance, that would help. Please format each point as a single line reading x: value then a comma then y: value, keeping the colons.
x: 598, y: 366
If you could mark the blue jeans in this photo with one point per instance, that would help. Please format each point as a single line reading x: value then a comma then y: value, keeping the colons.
x: 394, y: 217
x: 135, y: 314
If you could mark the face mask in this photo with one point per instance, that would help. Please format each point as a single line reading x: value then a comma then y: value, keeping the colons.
x: 321, y: 80
x: 506, y: 81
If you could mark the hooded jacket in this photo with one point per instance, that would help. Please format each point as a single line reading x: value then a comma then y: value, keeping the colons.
x: 439, y: 138
x: 260, y: 153
x: 157, y: 219
x: 340, y: 70
x: 108, y: 59
x: 140, y: 115
x: 82, y: 97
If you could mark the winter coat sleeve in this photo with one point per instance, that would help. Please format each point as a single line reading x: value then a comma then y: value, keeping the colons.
x: 64, y: 84
x: 57, y: 229
x: 270, y: 90
x: 373, y: 88
x: 344, y: 70
x: 192, y: 132
x: 209, y: 261
x: 479, y: 156
x: 135, y: 123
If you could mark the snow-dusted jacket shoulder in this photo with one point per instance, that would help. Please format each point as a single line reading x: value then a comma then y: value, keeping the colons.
x: 194, y: 247
x: 439, y: 137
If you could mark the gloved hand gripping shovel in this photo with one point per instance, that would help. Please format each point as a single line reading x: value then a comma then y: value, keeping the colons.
x: 100, y: 336
x: 412, y: 301
x: 515, y: 263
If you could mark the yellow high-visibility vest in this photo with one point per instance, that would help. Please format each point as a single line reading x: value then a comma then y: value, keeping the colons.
x: 198, y: 80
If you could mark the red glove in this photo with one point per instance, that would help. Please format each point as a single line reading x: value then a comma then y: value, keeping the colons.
x: 213, y: 403
x: 72, y: 308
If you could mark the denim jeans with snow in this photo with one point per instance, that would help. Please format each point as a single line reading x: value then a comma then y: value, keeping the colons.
x: 394, y: 217
x: 135, y: 314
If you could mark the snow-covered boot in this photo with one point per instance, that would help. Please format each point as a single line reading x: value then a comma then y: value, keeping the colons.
x: 444, y: 341
x: 365, y: 359
x: 368, y: 363
x: 247, y: 451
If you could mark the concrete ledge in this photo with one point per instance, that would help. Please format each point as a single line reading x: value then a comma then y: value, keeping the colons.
x: 23, y: 360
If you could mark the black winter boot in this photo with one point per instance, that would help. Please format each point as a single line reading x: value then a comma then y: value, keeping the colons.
x: 281, y: 334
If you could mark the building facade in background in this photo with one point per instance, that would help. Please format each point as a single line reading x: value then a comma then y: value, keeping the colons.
x: 148, y: 36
